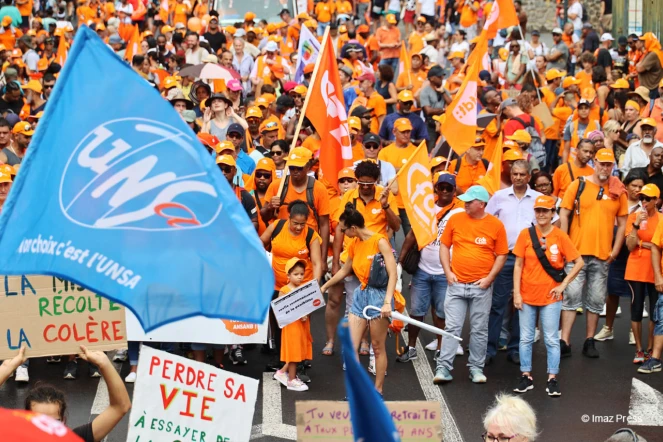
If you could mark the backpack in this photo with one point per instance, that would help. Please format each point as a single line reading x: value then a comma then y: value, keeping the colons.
x: 485, y: 162
x: 309, y: 195
x: 576, y: 200
x: 557, y: 275
x: 309, y: 233
x: 536, y: 146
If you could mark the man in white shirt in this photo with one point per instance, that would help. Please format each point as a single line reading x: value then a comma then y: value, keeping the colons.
x: 194, y: 53
x: 574, y: 14
x: 637, y: 154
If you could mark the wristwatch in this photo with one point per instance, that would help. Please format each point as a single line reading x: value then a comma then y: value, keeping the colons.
x: 636, y: 227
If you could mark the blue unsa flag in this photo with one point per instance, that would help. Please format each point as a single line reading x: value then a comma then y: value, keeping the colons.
x: 116, y: 194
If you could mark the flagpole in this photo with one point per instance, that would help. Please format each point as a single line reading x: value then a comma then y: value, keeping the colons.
x: 416, y: 151
x: 302, y: 113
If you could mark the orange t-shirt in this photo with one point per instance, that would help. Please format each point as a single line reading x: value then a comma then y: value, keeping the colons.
x: 320, y: 200
x: 562, y: 177
x: 286, y: 246
x: 357, y: 152
x: 468, y: 17
x: 343, y: 7
x: 535, y: 283
x: 639, y: 266
x: 362, y: 253
x: 585, y: 80
x: 415, y: 79
x: 374, y: 217
x: 390, y: 36
x: 379, y: 106
x: 25, y: 9
x: 85, y: 14
x: 476, y: 242
x: 467, y: 175
x: 397, y: 156
x: 592, y: 231
x: 324, y: 11
x: 416, y: 42
x: 180, y: 13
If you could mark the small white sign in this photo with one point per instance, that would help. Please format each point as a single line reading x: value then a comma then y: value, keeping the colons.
x: 298, y: 303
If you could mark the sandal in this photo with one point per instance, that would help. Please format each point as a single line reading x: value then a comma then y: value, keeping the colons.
x: 364, y: 348
x: 328, y: 349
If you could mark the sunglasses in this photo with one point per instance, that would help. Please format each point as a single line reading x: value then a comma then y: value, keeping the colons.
x: 646, y: 198
x: 277, y: 153
x: 226, y: 169
x: 365, y: 184
x: 270, y: 125
x: 540, y: 185
x: 235, y: 135
x: 265, y: 175
x: 444, y: 188
x: 365, y: 117
x: 48, y: 86
x: 346, y: 181
x: 295, y: 168
x: 371, y: 146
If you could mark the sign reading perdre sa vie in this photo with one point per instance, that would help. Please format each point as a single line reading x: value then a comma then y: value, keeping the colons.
x: 298, y: 303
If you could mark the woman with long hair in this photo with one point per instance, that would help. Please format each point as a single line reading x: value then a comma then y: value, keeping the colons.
x: 219, y: 115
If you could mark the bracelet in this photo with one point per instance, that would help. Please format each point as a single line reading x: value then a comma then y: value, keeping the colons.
x: 385, y: 207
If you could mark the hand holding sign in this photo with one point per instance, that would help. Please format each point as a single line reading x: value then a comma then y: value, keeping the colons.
x: 298, y: 303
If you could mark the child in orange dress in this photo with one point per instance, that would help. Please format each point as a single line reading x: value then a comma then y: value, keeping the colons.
x: 296, y: 341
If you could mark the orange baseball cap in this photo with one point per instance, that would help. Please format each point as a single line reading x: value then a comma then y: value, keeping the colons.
x: 33, y: 85
x: 292, y: 262
x: 299, y: 157
x: 167, y: 28
x: 552, y: 74
x: 605, y: 155
x: 570, y: 81
x: 209, y: 140
x: 42, y: 64
x: 271, y: 28
x: 544, y: 202
x: 227, y: 160
x: 644, y: 122
x: 456, y: 54
x: 363, y: 28
x: 277, y: 70
x: 5, y: 177
x: 37, y: 116
x: 347, y: 172
x: 309, y: 68
x: 268, y: 126
x: 588, y: 94
x: 651, y: 190
x: 391, y: 18
x: 266, y: 164
x: 230, y: 30
x: 262, y: 101
x: 521, y: 136
x: 436, y: 161
x: 169, y: 82
x: 303, y: 16
x: 403, y: 124
x: 224, y: 146
x: 342, y: 29
x: 440, y: 118
x: 254, y: 112
x: 620, y: 84
x: 405, y: 95
x: 249, y: 16
x: 6, y: 20
x: 17, y: 53
x: 300, y: 89
x: 354, y: 123
x: 6, y: 168
x: 512, y: 155
x: 508, y: 144
x: 23, y: 128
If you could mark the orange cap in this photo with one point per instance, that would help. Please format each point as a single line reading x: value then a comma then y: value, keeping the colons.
x: 277, y: 70
x: 166, y: 28
x: 403, y: 124
x: 254, y: 112
x: 544, y: 202
x: 5, y: 177
x: 347, y: 172
x: 6, y: 20
x: 521, y: 136
x: 209, y: 140
x: 299, y: 157
x: 268, y: 126
x: 644, y: 122
x: 271, y: 28
x: 23, y: 128
x: 620, y: 84
x: 354, y: 123
x: 405, y: 95
x: 436, y: 161
x: 553, y: 73
x: 300, y: 89
x: 363, y: 28
x: 33, y: 85
x: 292, y: 262
x: 588, y: 94
x: 42, y: 64
x: 391, y: 18
x: 262, y: 101
x: 651, y: 190
x: 230, y: 30
x: 570, y: 81
x: 309, y: 68
x: 266, y: 164
x: 249, y: 16
x: 512, y: 155
x: 228, y: 160
x: 17, y: 53
x: 456, y: 54
x: 169, y: 82
x: 605, y: 155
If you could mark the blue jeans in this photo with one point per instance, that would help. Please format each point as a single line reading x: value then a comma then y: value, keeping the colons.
x: 393, y: 62
x: 502, y: 288
x: 427, y: 291
x: 549, y: 317
x: 551, y: 156
x: 321, y: 28
x: 405, y: 221
x: 134, y: 349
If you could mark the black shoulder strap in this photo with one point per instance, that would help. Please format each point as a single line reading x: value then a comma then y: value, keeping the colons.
x: 279, y: 226
x: 541, y: 254
x: 309, y: 237
x: 309, y: 199
x: 525, y: 125
x: 568, y: 164
x: 284, y: 192
x: 460, y: 158
x: 601, y: 112
x: 354, y: 203
x: 576, y: 201
x: 486, y: 163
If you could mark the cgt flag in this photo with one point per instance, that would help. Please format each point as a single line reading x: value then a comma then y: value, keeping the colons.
x: 326, y: 111
x: 309, y: 48
x: 460, y: 126
x: 415, y: 183
x: 130, y: 205
x: 502, y: 15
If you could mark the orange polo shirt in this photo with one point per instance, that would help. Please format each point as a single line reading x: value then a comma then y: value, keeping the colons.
x: 391, y: 36
x: 397, y: 156
x: 467, y: 175
x: 324, y: 11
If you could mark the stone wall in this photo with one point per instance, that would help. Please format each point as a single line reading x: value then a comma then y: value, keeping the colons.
x: 541, y: 13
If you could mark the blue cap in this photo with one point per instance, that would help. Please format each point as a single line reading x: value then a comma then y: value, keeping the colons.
x: 475, y: 193
x: 446, y: 178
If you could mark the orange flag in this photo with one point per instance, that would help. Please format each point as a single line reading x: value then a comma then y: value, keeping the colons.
x: 326, y: 111
x: 502, y: 15
x: 133, y: 47
x: 61, y: 55
x: 460, y: 126
x: 415, y: 182
x: 405, y: 63
x: 491, y: 181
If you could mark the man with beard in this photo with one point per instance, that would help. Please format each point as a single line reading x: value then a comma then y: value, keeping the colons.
x: 14, y: 152
x: 566, y: 173
x: 637, y: 154
x: 405, y: 103
x: 48, y: 83
x: 12, y: 100
x: 33, y: 98
x: 252, y: 137
x: 652, y: 170
x: 5, y: 186
x: 162, y: 49
x: 214, y: 36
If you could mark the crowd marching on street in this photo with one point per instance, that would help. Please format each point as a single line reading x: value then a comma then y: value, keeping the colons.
x: 546, y: 206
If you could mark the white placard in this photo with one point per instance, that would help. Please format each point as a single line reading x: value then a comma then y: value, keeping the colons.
x: 298, y: 303
x: 180, y: 399
x: 200, y: 329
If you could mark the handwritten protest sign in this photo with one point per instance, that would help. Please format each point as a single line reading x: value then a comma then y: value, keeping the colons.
x: 179, y: 399
x: 200, y: 329
x: 329, y: 421
x: 51, y: 316
x: 298, y: 303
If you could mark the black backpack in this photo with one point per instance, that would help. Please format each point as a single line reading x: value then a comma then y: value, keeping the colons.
x: 309, y: 233
x: 485, y: 162
x: 309, y: 196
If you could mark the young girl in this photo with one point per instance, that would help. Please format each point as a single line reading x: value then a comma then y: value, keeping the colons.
x: 296, y: 341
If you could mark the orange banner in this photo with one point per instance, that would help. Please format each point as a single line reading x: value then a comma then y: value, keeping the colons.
x: 133, y: 47
x: 502, y: 15
x: 326, y: 111
x: 491, y: 181
x: 460, y: 126
x: 405, y: 64
x: 415, y: 182
x: 61, y: 55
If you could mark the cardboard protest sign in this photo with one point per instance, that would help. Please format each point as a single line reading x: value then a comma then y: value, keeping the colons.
x: 329, y: 421
x: 51, y: 316
x: 179, y: 399
x: 200, y: 329
x: 298, y: 303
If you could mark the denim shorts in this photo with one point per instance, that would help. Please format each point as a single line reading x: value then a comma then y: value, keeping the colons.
x: 197, y: 346
x: 428, y: 291
x: 368, y: 296
x: 590, y: 287
x: 657, y: 316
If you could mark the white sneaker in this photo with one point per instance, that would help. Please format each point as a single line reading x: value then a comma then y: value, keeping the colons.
x: 22, y: 374
x: 459, y: 350
x: 432, y: 346
x: 644, y: 313
x: 603, y: 312
x: 631, y: 338
x: 121, y: 355
x: 371, y: 366
x: 619, y: 310
x: 297, y: 385
x: 282, y: 377
x: 537, y: 335
x: 131, y: 378
x: 605, y: 334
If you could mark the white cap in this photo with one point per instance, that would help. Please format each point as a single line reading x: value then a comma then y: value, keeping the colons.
x: 271, y: 46
x: 607, y: 37
x: 557, y: 31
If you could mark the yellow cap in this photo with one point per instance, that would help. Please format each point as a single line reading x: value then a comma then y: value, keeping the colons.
x: 512, y: 155
x: 227, y: 160
x: 403, y: 124
x: 651, y: 190
x: 405, y: 95
x: 225, y: 145
x: 648, y: 122
x: 347, y: 172
x: 354, y: 123
x: 521, y: 136
x: 254, y: 111
x: 605, y: 155
x: 552, y: 74
x: 293, y: 262
x: 299, y: 157
x: 391, y: 18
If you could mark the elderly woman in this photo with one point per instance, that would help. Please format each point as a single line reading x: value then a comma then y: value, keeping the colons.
x: 509, y: 419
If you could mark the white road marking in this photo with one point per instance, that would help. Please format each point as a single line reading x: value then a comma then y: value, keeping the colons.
x: 646, y: 405
x: 101, y: 398
x: 272, y: 412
